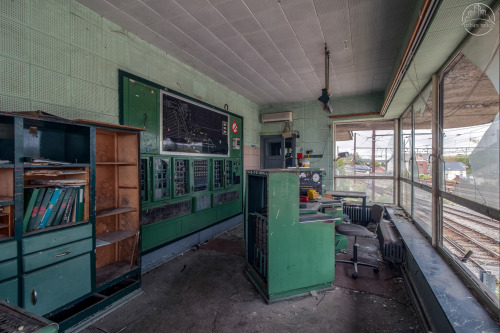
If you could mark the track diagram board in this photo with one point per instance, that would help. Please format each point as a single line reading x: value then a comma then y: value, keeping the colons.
x: 188, y: 127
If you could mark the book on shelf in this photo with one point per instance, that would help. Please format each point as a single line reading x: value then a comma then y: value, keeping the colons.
x: 43, y: 207
x: 69, y: 206
x: 74, y: 210
x: 36, y: 207
x: 30, y: 204
x: 62, y: 208
x: 79, y: 216
x: 55, y: 209
x: 50, y: 208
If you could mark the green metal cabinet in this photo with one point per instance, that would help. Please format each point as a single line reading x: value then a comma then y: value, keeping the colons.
x: 9, y: 291
x: 284, y: 256
x: 184, y: 188
x: 52, y: 271
x: 141, y: 103
x: 49, y: 288
x: 8, y: 272
x: 161, y: 178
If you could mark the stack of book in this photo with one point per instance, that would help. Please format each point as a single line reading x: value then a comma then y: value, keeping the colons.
x: 51, y: 206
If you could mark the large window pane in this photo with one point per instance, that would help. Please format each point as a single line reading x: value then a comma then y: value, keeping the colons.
x: 471, y: 128
x: 406, y: 145
x: 365, y: 152
x: 471, y: 157
x: 406, y: 197
x: 422, y: 208
x: 466, y: 230
x: 378, y: 190
x: 422, y: 110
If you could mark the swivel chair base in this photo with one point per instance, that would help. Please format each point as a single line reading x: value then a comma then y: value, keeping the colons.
x: 355, y: 262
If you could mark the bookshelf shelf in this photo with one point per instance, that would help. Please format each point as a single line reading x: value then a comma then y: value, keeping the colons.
x: 113, y: 271
x: 5, y: 199
x: 116, y: 163
x: 115, y: 211
x: 54, y: 166
x: 114, y: 237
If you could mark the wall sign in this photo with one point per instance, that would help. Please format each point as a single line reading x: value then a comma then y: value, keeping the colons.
x: 235, y: 127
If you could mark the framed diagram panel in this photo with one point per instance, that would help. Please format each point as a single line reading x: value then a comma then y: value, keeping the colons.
x: 192, y: 128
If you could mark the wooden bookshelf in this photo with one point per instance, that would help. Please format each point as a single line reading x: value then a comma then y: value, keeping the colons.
x: 117, y: 203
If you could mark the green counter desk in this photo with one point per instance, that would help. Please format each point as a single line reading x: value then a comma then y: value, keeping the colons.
x: 287, y: 253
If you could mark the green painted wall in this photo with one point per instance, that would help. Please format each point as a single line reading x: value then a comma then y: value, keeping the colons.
x: 60, y: 57
x: 314, y: 125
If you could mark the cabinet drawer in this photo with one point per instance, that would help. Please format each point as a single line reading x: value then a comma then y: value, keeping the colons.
x: 8, y: 250
x: 8, y: 269
x: 8, y: 291
x: 57, y: 285
x: 52, y: 239
x: 55, y: 255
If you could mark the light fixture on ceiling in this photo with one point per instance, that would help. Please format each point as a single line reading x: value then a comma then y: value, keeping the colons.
x: 324, y: 99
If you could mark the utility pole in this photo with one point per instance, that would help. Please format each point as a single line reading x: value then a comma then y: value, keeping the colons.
x: 354, y: 158
x: 373, y: 165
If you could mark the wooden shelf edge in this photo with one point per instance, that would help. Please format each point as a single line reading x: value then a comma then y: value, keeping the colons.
x: 116, y: 211
x: 113, y: 271
x: 108, y: 125
x: 114, y: 237
x: 116, y: 163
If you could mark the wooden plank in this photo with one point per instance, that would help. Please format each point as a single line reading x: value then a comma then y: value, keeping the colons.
x: 116, y: 163
x: 113, y: 237
x: 99, y: 123
x: 112, y: 271
x: 116, y: 211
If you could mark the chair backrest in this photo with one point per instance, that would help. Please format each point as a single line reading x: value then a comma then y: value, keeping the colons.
x: 376, y: 214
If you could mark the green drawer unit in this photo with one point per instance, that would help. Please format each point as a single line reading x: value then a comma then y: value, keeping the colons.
x: 48, y: 240
x: 55, y: 286
x: 8, y: 250
x: 340, y: 242
x: 8, y: 269
x: 8, y: 291
x: 55, y: 255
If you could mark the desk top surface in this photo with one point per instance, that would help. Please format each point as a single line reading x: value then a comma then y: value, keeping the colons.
x: 347, y: 194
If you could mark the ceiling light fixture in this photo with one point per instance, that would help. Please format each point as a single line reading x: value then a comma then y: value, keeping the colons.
x: 324, y: 99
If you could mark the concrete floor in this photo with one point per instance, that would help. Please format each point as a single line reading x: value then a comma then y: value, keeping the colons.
x: 204, y: 290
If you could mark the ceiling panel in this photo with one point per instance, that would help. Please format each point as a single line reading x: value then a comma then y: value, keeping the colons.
x: 267, y: 50
x: 208, y: 17
x: 165, y: 8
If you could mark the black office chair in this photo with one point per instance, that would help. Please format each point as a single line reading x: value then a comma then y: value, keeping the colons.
x: 357, y: 230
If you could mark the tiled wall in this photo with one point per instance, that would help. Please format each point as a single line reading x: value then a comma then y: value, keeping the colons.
x: 252, y: 157
x: 314, y: 126
x: 60, y: 57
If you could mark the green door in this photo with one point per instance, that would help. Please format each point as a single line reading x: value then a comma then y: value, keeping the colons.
x: 141, y: 109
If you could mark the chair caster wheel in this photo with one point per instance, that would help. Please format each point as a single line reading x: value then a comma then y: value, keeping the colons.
x: 376, y: 270
x: 354, y: 276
